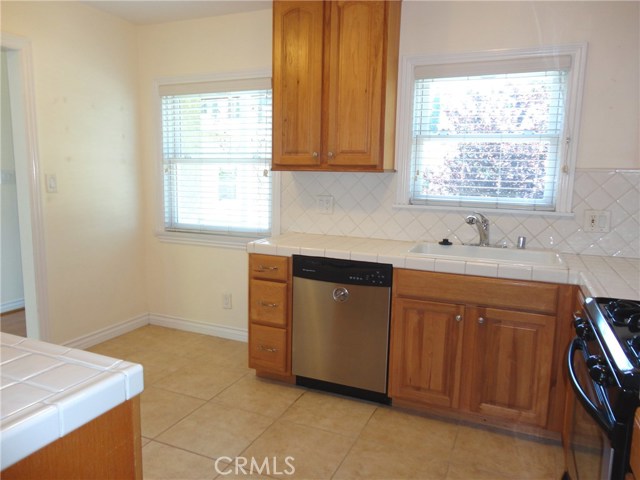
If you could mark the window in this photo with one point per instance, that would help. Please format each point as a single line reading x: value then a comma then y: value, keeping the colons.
x: 216, y: 157
x: 491, y: 131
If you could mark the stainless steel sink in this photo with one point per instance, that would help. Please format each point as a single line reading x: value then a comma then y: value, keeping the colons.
x: 489, y: 254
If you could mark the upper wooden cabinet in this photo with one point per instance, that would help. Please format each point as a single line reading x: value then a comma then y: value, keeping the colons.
x: 335, y: 66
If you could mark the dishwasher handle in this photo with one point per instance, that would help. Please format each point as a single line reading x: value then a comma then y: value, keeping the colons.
x: 340, y: 294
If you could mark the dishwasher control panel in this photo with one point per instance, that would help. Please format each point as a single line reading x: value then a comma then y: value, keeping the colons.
x: 336, y: 270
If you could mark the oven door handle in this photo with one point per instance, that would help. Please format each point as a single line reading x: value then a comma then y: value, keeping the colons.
x: 600, y: 417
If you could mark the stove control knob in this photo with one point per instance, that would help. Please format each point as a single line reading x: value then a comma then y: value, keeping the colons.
x: 594, y: 360
x: 634, y: 322
x: 600, y: 374
x: 583, y: 329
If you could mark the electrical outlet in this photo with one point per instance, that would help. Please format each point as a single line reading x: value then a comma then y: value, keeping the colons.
x: 226, y: 301
x: 324, y: 204
x: 597, y: 221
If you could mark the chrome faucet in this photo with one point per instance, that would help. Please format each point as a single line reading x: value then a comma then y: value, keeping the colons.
x: 482, y: 223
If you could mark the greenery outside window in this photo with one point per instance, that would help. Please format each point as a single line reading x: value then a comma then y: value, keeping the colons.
x: 495, y: 130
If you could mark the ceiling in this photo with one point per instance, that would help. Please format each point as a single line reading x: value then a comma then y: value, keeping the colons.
x: 145, y: 12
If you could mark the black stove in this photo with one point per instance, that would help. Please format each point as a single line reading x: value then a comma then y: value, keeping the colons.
x: 623, y: 313
x: 603, y: 363
x: 616, y: 325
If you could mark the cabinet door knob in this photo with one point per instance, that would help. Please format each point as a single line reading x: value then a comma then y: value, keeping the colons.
x: 330, y: 154
x: 480, y: 320
x: 458, y: 318
x: 315, y: 155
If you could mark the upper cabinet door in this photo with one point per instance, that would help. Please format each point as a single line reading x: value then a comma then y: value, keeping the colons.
x: 354, y: 67
x: 335, y: 67
x: 297, y: 82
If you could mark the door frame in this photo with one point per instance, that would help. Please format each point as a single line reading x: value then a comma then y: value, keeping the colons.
x: 27, y: 160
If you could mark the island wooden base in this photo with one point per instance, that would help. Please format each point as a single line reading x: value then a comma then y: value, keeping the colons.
x: 108, y: 447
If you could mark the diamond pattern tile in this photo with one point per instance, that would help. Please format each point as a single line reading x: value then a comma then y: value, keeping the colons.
x: 363, y: 207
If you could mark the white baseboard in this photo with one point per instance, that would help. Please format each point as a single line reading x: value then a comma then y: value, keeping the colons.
x: 108, y: 333
x: 232, y: 333
x: 91, y: 339
x: 12, y: 305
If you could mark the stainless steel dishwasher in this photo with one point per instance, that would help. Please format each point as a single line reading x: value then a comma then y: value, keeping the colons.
x: 341, y: 311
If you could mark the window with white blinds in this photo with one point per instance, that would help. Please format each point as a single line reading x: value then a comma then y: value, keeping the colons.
x: 216, y: 156
x: 492, y: 133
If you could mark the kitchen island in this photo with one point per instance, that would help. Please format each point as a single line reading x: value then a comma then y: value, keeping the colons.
x: 67, y: 413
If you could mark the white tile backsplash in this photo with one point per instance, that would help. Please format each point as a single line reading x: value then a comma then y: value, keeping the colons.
x: 363, y: 207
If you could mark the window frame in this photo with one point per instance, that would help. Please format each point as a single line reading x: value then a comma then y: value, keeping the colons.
x: 201, y: 238
x: 575, y: 86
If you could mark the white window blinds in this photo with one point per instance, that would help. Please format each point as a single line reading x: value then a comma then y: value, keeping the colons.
x: 216, y: 154
x: 489, y: 134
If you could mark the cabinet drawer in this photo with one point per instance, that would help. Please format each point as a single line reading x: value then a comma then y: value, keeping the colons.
x: 269, y: 267
x: 267, y: 347
x: 268, y: 302
x: 482, y: 291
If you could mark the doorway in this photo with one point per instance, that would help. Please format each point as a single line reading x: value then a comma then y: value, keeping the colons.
x: 16, y: 53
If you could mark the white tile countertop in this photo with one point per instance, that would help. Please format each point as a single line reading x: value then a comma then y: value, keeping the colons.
x: 47, y: 391
x: 616, y: 277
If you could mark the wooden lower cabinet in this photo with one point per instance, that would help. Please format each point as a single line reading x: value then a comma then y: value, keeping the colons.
x: 634, y: 458
x: 510, y: 367
x: 270, y: 316
x: 501, y: 365
x: 108, y: 447
x: 427, y: 352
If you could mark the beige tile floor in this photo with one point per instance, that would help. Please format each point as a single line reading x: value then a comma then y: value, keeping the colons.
x: 203, y: 407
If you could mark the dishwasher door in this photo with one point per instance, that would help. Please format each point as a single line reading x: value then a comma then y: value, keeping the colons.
x: 341, y: 333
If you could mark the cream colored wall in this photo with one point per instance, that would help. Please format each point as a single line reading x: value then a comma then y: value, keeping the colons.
x: 85, y: 74
x: 186, y: 282
x: 609, y: 127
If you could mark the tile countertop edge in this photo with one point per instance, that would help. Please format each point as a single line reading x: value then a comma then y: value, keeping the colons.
x: 28, y: 425
x: 576, y: 269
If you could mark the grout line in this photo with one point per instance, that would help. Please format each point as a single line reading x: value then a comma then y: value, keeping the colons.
x: 355, y: 440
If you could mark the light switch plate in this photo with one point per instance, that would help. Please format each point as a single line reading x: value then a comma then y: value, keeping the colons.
x: 51, y: 182
x: 597, y: 221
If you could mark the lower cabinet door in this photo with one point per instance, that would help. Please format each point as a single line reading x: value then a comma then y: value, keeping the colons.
x: 425, y: 353
x: 268, y: 348
x: 510, y: 368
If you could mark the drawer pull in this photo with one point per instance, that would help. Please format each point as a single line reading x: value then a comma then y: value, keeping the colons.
x: 270, y: 268
x: 268, y: 349
x: 268, y: 305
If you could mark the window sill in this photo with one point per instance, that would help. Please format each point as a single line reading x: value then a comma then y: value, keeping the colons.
x: 493, y: 211
x: 205, y: 239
